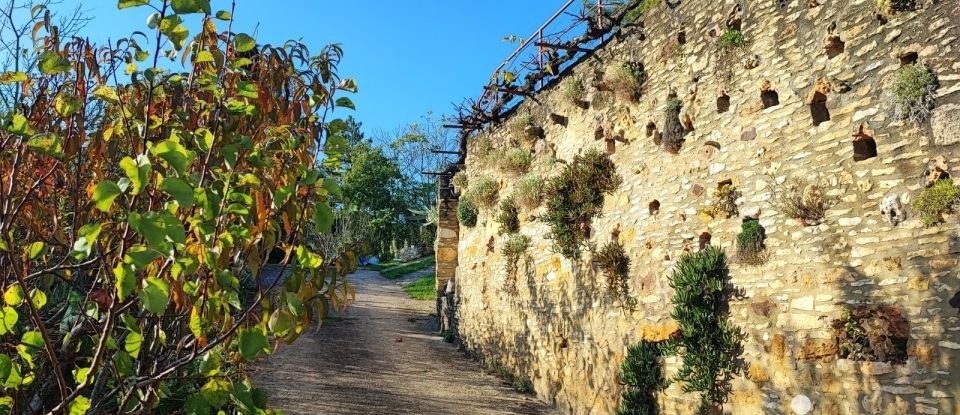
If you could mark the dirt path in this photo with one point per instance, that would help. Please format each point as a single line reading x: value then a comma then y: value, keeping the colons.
x: 376, y: 361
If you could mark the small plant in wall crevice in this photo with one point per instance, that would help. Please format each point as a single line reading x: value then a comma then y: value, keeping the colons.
x: 724, y: 204
x: 936, y: 201
x: 516, y: 160
x: 673, y: 131
x: 877, y: 333
x: 751, y: 249
x: 467, y: 212
x: 732, y: 38
x: 513, y: 249
x: 575, y: 197
x: 483, y: 192
x: 613, y: 261
x: 895, y: 6
x: 803, y: 200
x: 626, y: 79
x: 573, y: 90
x: 508, y: 217
x: 913, y: 92
x: 528, y: 192
x: 524, y: 129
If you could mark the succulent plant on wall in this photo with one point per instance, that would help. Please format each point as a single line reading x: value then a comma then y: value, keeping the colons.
x: 709, y: 343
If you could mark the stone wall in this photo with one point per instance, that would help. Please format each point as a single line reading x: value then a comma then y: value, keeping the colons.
x: 448, y: 231
x: 553, y: 323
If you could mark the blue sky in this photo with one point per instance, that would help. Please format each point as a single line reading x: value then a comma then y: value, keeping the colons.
x: 409, y: 57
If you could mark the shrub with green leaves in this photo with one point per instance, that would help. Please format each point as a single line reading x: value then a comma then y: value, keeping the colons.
x: 673, y: 131
x: 467, y: 212
x: 895, y: 6
x: 615, y: 265
x: 516, y: 160
x: 641, y: 9
x: 732, y: 38
x: 575, y: 197
x: 141, y: 204
x: 626, y: 79
x: 913, y: 92
x: 573, y: 89
x: 528, y: 191
x: 710, y: 342
x: 508, y: 217
x: 750, y: 243
x: 876, y: 333
x: 523, y: 128
x: 724, y: 204
x: 936, y: 201
x: 460, y: 181
x: 484, y: 191
x: 513, y: 250
x: 642, y: 376
x: 803, y: 200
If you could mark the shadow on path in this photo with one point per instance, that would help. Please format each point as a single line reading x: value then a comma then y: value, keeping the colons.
x: 375, y: 360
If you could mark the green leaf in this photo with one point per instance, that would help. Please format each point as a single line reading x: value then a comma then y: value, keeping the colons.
x: 123, y: 362
x: 17, y: 124
x: 331, y: 185
x: 87, y: 239
x: 196, y: 405
x: 38, y: 298
x: 172, y: 27
x: 12, y: 77
x: 80, y: 374
x: 308, y: 259
x: 13, y: 296
x: 216, y: 392
x: 107, y: 93
x: 9, y: 320
x: 345, y: 102
x: 33, y: 339
x: 210, y: 364
x: 154, y: 295
x: 322, y: 217
x: 244, y: 42
x: 126, y: 280
x: 175, y: 154
x: 123, y: 4
x: 247, y: 89
x: 79, y: 406
x: 181, y: 191
x: 252, y: 342
x: 158, y: 228
x: 224, y: 15
x: 196, y: 323
x: 132, y: 344
x: 203, y: 56
x: 52, y: 63
x: 204, y: 139
x: 46, y: 143
x: 36, y: 249
x: 137, y: 171
x: 281, y: 322
x: 66, y: 104
x: 104, y: 195
x: 139, y: 256
x: 191, y: 6
x: 5, y: 366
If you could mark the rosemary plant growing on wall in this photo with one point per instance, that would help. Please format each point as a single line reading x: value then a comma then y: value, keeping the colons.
x: 575, y: 197
x: 709, y: 343
x: 642, y: 376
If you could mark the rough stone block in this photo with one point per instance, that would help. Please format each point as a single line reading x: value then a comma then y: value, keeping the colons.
x: 945, y: 123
